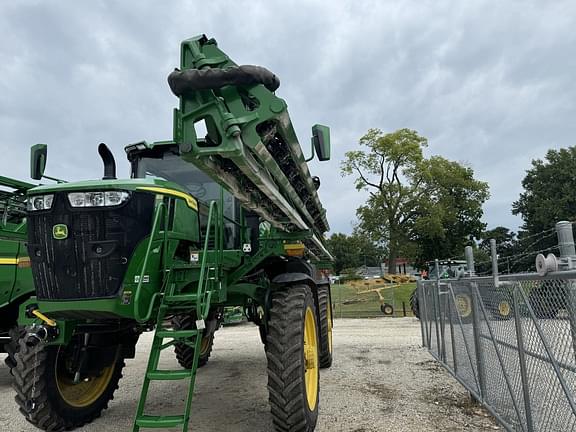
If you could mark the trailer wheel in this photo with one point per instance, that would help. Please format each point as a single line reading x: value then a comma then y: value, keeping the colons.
x: 12, y: 347
x: 325, y: 331
x: 387, y: 309
x: 414, y: 303
x: 185, y: 353
x: 293, y: 361
x: 47, y: 395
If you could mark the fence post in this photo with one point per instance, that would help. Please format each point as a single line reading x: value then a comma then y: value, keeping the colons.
x: 522, y: 359
x: 477, y: 342
x: 494, y: 256
x: 340, y: 295
x: 437, y: 308
x: 567, y: 250
x: 565, y: 239
x: 421, y: 307
x: 453, y: 343
x: 469, y: 254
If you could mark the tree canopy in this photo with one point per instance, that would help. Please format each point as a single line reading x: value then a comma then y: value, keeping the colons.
x: 417, y: 207
x: 549, y: 191
x: 353, y: 251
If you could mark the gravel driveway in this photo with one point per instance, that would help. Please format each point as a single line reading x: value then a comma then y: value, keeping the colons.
x: 381, y: 380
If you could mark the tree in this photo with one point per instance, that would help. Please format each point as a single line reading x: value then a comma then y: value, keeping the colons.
x: 351, y: 252
x: 506, y: 246
x: 505, y: 239
x: 549, y: 191
x: 451, y: 217
x: 549, y: 196
x: 414, y: 203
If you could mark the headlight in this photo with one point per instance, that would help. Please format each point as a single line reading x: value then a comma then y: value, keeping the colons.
x: 97, y: 199
x: 39, y: 202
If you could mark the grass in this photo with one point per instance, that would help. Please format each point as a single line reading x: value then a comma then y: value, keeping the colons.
x: 350, y: 302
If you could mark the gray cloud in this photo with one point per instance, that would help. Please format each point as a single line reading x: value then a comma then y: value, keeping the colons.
x: 489, y: 83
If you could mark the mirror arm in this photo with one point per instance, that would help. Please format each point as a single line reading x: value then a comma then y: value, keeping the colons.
x: 54, y: 179
x: 313, y: 153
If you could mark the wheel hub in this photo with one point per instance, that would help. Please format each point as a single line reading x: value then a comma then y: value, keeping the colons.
x: 310, y: 357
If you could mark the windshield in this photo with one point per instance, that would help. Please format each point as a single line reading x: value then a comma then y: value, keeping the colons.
x: 169, y: 166
x: 172, y: 168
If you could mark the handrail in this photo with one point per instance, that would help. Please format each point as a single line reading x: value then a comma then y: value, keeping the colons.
x: 213, y: 222
x: 161, y: 209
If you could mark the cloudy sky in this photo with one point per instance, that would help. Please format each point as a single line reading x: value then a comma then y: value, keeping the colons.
x: 490, y: 83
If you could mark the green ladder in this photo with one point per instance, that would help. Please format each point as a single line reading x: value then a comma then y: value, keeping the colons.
x: 199, y: 302
x: 189, y: 337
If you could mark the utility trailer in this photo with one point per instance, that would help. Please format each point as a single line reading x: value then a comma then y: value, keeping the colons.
x: 224, y: 218
x: 16, y: 285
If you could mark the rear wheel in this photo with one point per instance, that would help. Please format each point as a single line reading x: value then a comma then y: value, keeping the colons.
x: 464, y: 306
x: 500, y: 308
x: 48, y: 394
x: 293, y: 360
x: 185, y: 353
x: 325, y: 331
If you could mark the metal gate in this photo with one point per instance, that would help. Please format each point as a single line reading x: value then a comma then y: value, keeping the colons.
x: 510, y: 341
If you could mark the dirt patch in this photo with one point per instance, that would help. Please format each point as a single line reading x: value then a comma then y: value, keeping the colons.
x: 381, y: 380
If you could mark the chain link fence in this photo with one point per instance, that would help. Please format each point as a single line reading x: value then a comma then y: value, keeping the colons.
x: 510, y: 341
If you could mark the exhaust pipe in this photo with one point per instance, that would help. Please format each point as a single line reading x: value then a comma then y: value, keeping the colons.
x: 108, y: 160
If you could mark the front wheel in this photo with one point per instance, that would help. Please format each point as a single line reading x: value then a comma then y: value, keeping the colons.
x: 293, y: 361
x: 51, y: 396
x: 184, y: 352
x: 12, y: 347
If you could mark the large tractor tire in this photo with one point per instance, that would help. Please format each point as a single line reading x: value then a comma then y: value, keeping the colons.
x: 547, y: 300
x: 325, y: 321
x: 185, y: 353
x: 464, y: 307
x: 500, y: 307
x: 46, y: 392
x: 414, y: 303
x: 12, y: 347
x: 293, y: 361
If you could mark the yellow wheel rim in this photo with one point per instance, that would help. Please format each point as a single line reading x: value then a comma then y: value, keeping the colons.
x: 311, y: 359
x: 504, y: 308
x: 84, y: 393
x: 464, y: 305
x: 205, y: 345
x: 329, y: 316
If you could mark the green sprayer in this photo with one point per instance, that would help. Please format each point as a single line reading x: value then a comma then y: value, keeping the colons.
x: 226, y: 214
x: 16, y: 284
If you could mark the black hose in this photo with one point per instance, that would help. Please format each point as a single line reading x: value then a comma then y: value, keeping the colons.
x: 190, y: 80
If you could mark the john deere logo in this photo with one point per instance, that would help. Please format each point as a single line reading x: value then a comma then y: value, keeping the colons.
x: 60, y: 231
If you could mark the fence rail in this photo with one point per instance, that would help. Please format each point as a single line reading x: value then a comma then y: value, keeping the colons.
x: 510, y: 341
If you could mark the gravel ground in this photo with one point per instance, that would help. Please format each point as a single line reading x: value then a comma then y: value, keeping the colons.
x: 381, y: 380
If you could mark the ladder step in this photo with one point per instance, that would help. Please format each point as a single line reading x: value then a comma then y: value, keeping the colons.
x: 160, y: 422
x: 176, y: 334
x: 167, y: 375
x: 180, y: 298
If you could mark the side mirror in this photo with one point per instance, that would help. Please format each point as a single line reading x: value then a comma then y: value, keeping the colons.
x: 321, y: 141
x: 38, y: 156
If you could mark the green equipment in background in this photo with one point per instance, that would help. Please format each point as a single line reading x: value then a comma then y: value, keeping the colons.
x: 226, y: 214
x: 233, y: 315
x: 16, y: 284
